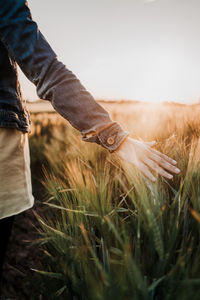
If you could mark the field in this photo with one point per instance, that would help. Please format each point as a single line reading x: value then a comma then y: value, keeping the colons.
x: 99, y: 230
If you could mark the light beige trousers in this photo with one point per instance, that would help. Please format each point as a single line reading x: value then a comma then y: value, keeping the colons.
x: 15, y: 177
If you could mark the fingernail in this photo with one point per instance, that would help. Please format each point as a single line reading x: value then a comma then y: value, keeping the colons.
x: 170, y: 176
x: 153, y: 179
x: 177, y: 170
x: 174, y: 162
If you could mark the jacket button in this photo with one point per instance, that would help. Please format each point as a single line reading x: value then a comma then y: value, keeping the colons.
x: 110, y: 140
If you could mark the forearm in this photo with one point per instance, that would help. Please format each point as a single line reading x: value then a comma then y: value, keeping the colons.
x: 54, y: 82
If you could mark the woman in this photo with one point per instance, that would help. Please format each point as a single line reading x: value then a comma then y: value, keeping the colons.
x: 22, y: 43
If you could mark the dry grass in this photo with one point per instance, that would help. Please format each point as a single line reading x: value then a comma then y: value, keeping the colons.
x: 107, y: 233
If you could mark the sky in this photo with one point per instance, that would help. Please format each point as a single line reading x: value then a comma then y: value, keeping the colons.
x: 142, y: 50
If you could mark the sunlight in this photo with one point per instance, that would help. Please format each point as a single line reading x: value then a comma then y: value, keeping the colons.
x: 139, y: 52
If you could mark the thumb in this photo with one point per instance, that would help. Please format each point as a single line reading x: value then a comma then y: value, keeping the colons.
x: 151, y: 144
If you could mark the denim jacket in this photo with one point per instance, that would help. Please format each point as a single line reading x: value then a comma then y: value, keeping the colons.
x: 22, y: 43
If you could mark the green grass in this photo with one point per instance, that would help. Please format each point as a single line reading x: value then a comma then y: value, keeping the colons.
x: 107, y: 232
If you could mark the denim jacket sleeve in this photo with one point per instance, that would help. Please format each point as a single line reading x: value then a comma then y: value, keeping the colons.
x: 54, y: 82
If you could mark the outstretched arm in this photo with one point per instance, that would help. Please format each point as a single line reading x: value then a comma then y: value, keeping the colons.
x: 54, y: 82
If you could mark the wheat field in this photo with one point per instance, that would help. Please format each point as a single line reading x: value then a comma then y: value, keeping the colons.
x: 106, y: 232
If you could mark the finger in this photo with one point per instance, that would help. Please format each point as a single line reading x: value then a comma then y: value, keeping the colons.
x: 163, y: 163
x: 151, y: 144
x: 167, y: 158
x: 143, y: 168
x: 154, y: 166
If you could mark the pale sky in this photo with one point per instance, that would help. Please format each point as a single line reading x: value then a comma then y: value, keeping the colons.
x: 125, y: 49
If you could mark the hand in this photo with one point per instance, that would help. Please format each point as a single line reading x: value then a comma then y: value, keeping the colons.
x: 144, y: 157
